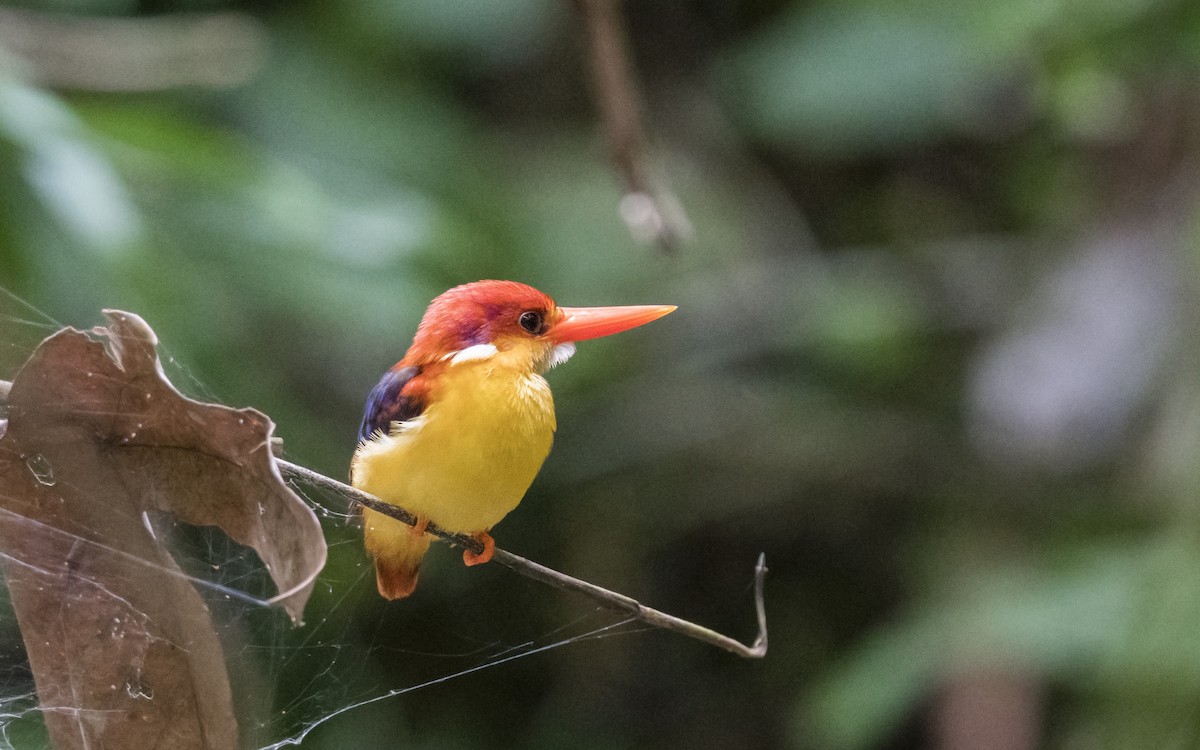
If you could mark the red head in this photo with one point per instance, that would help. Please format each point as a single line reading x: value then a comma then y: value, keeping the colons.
x: 508, y: 314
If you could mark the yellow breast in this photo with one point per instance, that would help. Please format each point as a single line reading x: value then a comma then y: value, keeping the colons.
x: 470, y: 457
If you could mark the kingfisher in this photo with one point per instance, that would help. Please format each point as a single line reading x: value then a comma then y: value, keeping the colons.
x: 456, y: 431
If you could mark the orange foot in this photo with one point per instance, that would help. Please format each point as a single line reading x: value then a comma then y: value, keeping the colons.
x: 419, y: 529
x: 489, y: 547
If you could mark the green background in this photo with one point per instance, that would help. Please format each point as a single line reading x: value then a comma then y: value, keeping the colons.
x: 935, y: 352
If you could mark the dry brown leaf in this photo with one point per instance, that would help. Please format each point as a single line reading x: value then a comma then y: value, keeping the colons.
x: 123, y: 649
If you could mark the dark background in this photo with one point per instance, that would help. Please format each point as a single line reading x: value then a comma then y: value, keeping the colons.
x: 935, y: 352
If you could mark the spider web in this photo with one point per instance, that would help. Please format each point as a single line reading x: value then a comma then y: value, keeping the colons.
x: 290, y: 683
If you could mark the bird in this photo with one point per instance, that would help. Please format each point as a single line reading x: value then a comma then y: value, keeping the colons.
x: 456, y: 431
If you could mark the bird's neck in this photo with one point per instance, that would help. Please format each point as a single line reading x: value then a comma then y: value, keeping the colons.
x: 497, y: 393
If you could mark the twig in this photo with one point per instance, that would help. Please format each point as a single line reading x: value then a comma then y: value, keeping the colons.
x: 608, y: 599
x: 652, y: 213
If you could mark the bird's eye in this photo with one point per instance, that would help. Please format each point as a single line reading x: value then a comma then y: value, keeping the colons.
x: 532, y: 321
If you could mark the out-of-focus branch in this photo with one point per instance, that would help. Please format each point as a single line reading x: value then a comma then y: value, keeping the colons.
x: 989, y: 710
x: 133, y: 54
x: 608, y: 599
x: 652, y: 213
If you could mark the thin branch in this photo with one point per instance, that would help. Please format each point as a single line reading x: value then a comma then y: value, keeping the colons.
x: 608, y: 599
x: 652, y: 213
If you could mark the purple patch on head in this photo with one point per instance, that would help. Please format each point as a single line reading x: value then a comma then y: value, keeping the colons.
x: 472, y: 333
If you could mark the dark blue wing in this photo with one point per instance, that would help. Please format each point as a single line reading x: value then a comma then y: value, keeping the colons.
x: 388, y: 403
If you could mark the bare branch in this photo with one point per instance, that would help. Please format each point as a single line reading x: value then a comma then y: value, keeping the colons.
x: 652, y: 213
x: 608, y: 599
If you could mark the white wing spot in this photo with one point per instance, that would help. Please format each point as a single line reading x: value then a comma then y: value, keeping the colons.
x: 380, y: 442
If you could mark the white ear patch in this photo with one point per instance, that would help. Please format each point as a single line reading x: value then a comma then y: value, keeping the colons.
x: 560, y: 354
x: 471, y: 353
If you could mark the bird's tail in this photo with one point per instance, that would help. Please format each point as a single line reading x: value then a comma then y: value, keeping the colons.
x: 397, y: 551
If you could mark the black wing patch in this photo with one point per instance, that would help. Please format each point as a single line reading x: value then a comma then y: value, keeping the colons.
x: 387, y: 404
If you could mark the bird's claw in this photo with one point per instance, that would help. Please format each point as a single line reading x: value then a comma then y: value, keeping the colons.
x: 419, y: 527
x: 489, y: 547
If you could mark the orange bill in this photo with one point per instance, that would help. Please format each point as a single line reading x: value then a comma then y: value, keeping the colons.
x: 580, y: 323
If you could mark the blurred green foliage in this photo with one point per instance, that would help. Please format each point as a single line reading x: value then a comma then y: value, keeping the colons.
x: 935, y: 351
